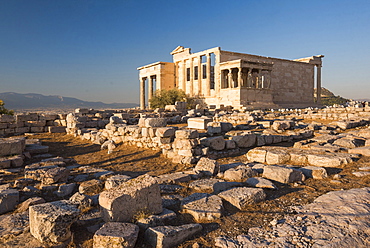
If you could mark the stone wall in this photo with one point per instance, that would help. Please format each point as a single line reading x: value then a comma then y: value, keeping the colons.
x: 182, y: 146
x: 31, y: 123
x: 226, y: 133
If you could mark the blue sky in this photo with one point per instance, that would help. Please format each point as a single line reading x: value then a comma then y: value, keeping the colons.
x: 90, y: 49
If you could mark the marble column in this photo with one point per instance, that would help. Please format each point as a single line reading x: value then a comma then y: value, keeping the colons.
x: 150, y: 89
x: 177, y: 75
x: 183, y: 85
x: 200, y: 88
x: 191, y: 77
x: 259, y: 79
x: 142, y: 93
x: 318, y: 84
x: 208, y: 79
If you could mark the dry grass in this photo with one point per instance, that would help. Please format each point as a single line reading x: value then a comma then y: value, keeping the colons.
x: 135, y: 161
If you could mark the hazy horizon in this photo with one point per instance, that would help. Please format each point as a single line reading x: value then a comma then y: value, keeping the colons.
x: 90, y: 49
x: 61, y: 96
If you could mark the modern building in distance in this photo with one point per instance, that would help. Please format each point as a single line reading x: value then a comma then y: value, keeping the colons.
x: 223, y: 78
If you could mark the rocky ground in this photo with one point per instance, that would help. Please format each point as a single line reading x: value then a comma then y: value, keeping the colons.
x: 133, y: 161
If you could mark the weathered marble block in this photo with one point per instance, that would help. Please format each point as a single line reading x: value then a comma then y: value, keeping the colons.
x: 208, y: 167
x: 247, y: 140
x: 116, y: 235
x: 257, y: 155
x: 128, y: 199
x: 260, y: 182
x: 240, y: 197
x: 314, y: 172
x: 8, y: 200
x: 115, y: 181
x: 216, y: 143
x: 198, y: 123
x: 50, y: 222
x: 170, y: 236
x: 186, y: 134
x: 167, y: 217
x: 12, y: 146
x: 203, y: 206
x: 239, y: 173
x: 282, y: 174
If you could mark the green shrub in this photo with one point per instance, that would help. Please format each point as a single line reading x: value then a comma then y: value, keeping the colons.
x: 4, y: 111
x: 330, y: 101
x: 162, y: 98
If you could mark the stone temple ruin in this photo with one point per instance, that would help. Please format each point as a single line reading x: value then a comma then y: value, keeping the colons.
x: 223, y: 78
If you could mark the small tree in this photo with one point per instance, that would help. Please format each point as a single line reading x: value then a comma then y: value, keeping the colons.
x: 4, y: 111
x: 162, y: 98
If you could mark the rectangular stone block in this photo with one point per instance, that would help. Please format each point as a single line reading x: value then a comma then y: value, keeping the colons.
x: 152, y: 122
x: 48, y: 117
x: 216, y: 143
x: 203, y: 207
x: 9, y: 198
x: 282, y: 174
x: 25, y: 118
x: 37, y: 129
x: 16, y: 161
x: 9, y: 131
x: 170, y: 236
x: 116, y: 235
x: 240, y: 197
x: 243, y: 141
x: 56, y: 129
x: 4, y: 163
x: 36, y: 123
x: 277, y: 156
x: 7, y: 118
x: 185, y: 143
x: 130, y: 198
x: 199, y: 123
x: 186, y: 134
x: 50, y: 222
x: 314, y: 172
x: 22, y: 129
x: 12, y: 146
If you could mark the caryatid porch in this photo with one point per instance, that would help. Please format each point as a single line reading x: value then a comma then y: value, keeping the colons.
x: 245, y: 74
x: 243, y: 82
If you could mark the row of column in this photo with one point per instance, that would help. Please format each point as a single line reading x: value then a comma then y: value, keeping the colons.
x: 150, y: 90
x: 184, y: 75
x: 229, y: 79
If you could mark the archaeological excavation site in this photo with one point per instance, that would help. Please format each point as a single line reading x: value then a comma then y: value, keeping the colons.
x: 257, y: 162
x: 186, y: 178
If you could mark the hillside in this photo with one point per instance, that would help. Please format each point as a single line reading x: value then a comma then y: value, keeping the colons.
x: 30, y: 101
x: 329, y: 98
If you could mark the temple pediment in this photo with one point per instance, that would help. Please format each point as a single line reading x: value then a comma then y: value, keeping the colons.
x: 180, y: 49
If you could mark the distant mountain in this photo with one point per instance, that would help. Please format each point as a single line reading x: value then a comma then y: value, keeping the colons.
x: 30, y: 101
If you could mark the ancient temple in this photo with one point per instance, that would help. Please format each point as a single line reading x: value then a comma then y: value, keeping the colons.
x: 223, y: 78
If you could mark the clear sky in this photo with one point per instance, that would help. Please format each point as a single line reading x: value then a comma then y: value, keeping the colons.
x: 90, y: 49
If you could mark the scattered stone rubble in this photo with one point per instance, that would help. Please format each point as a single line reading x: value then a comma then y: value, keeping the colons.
x: 327, y: 222
x: 115, y: 207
